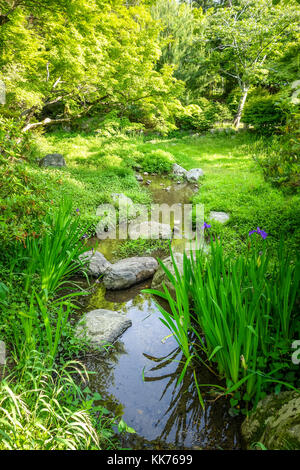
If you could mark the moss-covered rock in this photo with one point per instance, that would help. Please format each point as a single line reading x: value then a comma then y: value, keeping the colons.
x: 275, y: 422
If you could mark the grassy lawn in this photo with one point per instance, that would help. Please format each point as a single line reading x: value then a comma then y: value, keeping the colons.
x: 233, y: 183
x: 97, y: 167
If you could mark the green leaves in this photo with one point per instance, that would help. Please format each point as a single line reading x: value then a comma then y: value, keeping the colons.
x: 89, y: 57
x: 123, y: 427
x: 244, y: 309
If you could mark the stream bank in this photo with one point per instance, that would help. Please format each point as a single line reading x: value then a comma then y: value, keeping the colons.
x: 137, y: 379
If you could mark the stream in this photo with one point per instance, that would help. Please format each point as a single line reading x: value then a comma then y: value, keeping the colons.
x: 137, y: 379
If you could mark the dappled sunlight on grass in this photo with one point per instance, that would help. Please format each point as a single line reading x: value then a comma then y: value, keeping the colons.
x: 97, y: 167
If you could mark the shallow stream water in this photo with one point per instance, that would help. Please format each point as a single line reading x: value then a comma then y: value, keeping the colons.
x: 137, y: 379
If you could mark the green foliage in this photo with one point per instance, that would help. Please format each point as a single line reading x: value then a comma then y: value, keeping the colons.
x: 202, y: 116
x: 55, y: 255
x: 280, y: 163
x: 246, y: 308
x: 263, y: 112
x: 43, y: 408
x: 253, y: 37
x: 157, y: 161
x: 86, y: 60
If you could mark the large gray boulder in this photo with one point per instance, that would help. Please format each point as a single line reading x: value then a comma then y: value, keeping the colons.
x: 194, y: 175
x: 275, y: 422
x: 97, y: 264
x: 129, y: 271
x: 178, y: 170
x: 191, y: 175
x: 102, y: 327
x: 53, y: 159
x: 150, y: 230
x: 160, y: 278
x: 221, y: 217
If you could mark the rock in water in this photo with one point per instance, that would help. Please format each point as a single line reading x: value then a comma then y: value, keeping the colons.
x: 102, y: 327
x: 129, y: 271
x: 179, y: 170
x: 194, y: 175
x: 275, y: 422
x: 53, y: 159
x: 97, y: 264
x: 221, y: 217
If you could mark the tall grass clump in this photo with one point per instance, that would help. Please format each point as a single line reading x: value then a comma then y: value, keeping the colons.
x: 238, y: 316
x: 54, y: 256
x: 42, y: 408
x: 48, y: 261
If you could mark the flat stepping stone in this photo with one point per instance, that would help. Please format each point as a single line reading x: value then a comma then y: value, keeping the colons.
x: 121, y: 199
x: 129, y: 271
x: 221, y: 217
x: 97, y: 264
x: 102, y: 327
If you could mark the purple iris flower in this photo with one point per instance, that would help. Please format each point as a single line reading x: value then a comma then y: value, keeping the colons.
x: 205, y: 225
x: 260, y: 232
x: 77, y: 210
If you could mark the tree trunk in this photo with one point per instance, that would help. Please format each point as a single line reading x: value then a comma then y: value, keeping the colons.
x: 237, y: 119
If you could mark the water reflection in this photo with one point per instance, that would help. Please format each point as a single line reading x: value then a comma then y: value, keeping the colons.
x: 177, y: 193
x: 138, y: 381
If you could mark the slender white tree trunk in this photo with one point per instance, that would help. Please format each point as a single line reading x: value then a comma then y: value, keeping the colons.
x: 237, y: 119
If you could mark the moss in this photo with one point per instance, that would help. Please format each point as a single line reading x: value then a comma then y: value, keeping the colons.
x: 275, y: 422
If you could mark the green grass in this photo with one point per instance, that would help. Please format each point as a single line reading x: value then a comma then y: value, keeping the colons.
x: 43, y: 408
x: 98, y: 166
x: 233, y: 183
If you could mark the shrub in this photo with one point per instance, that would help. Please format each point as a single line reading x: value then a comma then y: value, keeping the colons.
x: 157, y: 161
x: 281, y: 163
x: 263, y: 112
x: 203, y: 115
x: 13, y: 143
